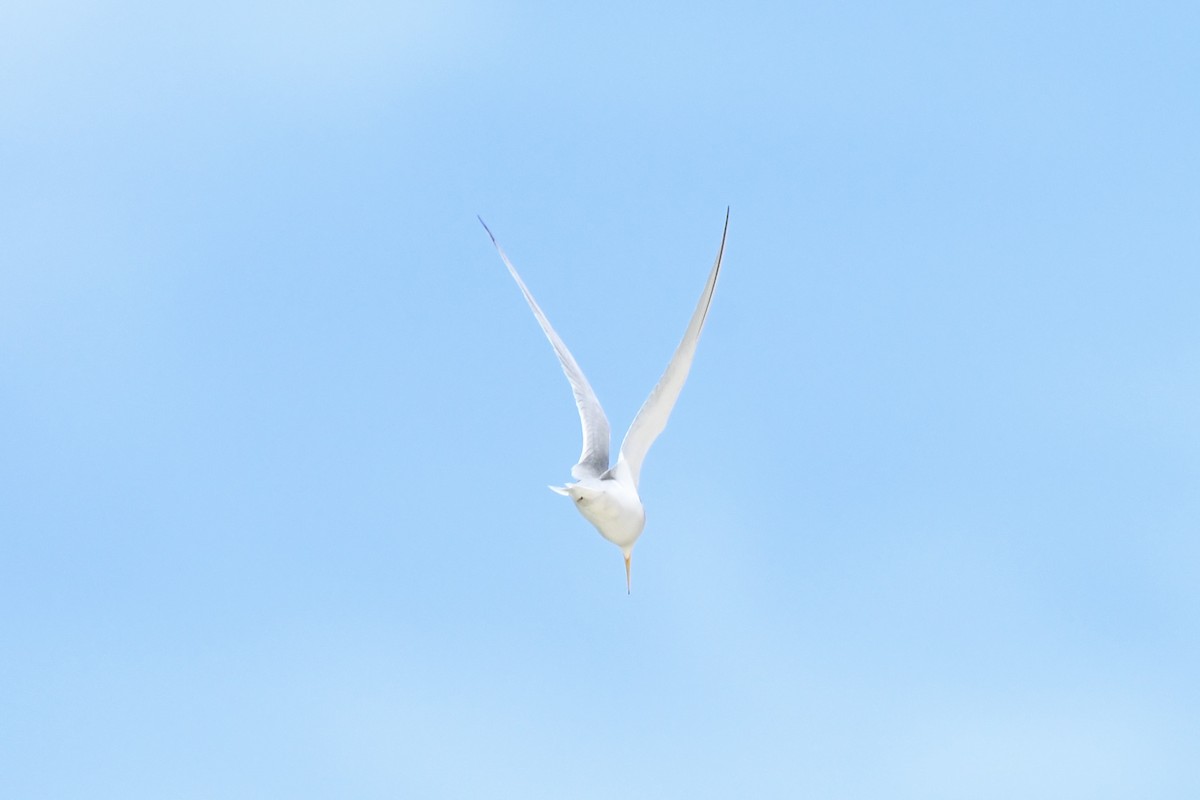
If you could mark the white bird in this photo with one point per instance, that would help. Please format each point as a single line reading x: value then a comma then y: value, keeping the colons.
x: 608, y: 497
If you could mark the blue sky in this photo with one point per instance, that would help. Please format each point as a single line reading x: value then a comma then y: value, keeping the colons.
x: 277, y: 426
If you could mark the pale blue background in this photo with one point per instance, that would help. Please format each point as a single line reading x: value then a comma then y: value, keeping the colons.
x: 276, y: 425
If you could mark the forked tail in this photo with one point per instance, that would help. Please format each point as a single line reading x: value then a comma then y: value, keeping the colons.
x: 577, y: 491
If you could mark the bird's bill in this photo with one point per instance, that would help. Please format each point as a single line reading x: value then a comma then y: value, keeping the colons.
x: 627, y: 587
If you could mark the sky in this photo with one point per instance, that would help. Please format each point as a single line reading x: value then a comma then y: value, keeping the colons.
x: 276, y: 425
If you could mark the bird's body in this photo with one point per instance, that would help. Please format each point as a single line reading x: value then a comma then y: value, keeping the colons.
x: 612, y: 505
x: 608, y: 497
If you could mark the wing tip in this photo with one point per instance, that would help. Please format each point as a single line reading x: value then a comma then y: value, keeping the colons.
x: 486, y: 228
x: 716, y: 270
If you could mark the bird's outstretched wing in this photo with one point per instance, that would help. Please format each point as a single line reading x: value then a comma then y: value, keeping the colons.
x: 653, y: 416
x: 593, y: 461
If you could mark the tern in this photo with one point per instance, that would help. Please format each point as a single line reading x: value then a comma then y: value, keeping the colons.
x: 608, y: 496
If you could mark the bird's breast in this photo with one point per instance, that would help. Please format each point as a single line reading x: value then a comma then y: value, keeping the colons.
x: 615, y: 510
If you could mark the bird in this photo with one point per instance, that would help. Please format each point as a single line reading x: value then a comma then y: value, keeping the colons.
x: 607, y: 496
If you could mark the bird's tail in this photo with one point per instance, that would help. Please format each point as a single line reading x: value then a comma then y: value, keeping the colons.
x: 586, y: 489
